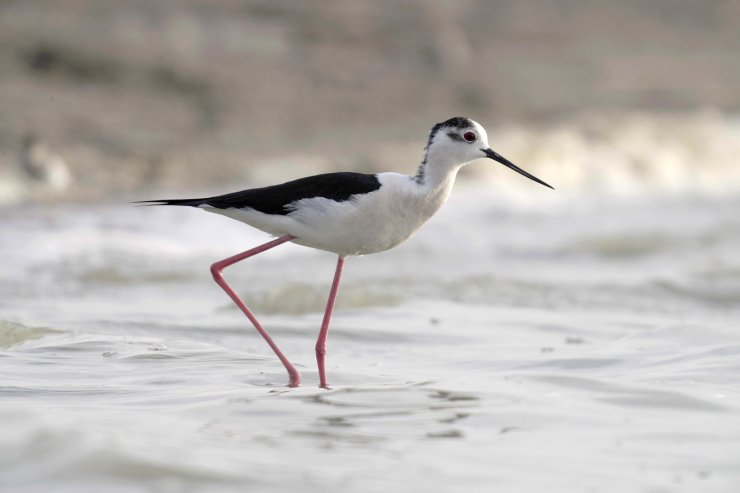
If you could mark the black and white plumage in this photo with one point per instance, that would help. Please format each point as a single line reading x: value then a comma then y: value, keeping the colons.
x: 277, y: 199
x: 349, y: 213
x: 353, y: 213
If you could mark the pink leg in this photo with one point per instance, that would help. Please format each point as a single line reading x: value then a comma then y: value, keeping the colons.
x: 321, y: 341
x: 295, y: 377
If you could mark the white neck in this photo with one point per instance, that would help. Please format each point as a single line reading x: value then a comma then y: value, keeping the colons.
x: 437, y: 172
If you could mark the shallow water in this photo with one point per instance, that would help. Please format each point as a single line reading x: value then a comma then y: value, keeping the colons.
x: 584, y: 344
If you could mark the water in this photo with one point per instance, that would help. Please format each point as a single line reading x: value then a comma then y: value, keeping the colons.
x: 580, y: 343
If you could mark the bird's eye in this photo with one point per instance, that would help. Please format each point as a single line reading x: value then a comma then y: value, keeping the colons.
x: 469, y: 136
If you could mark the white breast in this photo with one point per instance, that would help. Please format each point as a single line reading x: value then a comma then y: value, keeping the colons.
x: 367, y: 223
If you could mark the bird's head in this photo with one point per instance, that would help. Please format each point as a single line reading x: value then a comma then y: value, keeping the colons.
x: 460, y: 140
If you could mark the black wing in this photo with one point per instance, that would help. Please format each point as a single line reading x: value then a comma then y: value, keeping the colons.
x: 275, y: 199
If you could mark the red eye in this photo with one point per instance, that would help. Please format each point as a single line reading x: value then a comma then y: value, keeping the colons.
x: 469, y: 136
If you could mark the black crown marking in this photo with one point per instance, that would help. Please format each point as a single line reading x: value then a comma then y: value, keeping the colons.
x: 457, y: 123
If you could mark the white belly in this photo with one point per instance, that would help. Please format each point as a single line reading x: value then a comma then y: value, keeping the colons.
x: 367, y: 223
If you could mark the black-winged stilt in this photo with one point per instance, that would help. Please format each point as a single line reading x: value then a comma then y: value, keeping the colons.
x: 349, y: 213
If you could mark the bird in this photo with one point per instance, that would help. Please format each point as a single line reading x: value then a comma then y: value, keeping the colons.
x: 348, y: 213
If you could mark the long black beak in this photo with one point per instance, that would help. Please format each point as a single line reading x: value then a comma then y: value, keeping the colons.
x: 501, y: 159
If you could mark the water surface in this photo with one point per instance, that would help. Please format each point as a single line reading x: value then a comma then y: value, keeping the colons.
x: 585, y: 344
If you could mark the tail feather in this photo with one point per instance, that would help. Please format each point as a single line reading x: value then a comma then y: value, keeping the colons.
x: 185, y: 202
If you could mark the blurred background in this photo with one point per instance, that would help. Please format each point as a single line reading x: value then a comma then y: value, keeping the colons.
x: 103, y: 97
x: 582, y: 340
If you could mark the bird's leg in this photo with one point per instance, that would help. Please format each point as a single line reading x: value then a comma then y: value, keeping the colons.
x: 295, y: 377
x: 321, y: 341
